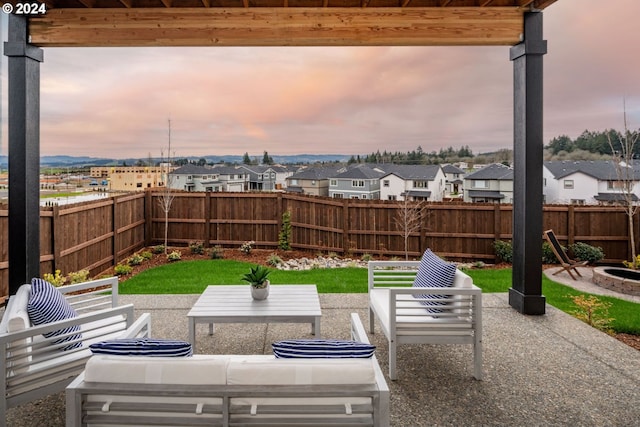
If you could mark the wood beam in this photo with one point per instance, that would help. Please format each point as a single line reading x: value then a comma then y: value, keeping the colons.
x: 278, y: 27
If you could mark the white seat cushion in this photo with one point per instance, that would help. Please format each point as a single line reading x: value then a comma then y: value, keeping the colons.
x: 198, y: 369
x: 268, y: 370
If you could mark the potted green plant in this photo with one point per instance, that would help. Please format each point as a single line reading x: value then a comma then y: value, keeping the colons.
x: 258, y: 279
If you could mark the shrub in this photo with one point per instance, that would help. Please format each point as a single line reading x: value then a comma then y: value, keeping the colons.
x: 56, y: 279
x: 174, y: 256
x: 122, y: 269
x: 158, y: 249
x: 274, y: 260
x: 216, y: 252
x: 284, y: 237
x: 504, y: 251
x: 586, y: 252
x: 78, y: 276
x: 246, y: 247
x: 366, y: 257
x: 135, y: 259
x: 548, y: 256
x: 196, y: 247
x: 146, y: 255
x: 592, y: 311
x: 629, y: 264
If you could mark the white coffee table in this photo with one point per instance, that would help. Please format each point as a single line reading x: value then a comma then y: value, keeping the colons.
x: 233, y: 304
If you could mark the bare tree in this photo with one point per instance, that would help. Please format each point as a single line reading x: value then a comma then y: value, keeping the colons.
x: 167, y: 195
x: 626, y: 179
x: 409, y: 219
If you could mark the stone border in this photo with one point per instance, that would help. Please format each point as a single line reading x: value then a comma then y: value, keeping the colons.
x: 615, y: 283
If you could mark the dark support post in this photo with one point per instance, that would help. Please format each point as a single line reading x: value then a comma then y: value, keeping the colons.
x: 24, y: 154
x: 526, y: 292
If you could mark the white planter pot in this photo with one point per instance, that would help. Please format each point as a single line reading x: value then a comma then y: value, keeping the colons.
x: 260, y: 293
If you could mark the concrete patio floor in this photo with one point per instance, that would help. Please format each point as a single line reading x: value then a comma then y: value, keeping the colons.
x: 549, y: 370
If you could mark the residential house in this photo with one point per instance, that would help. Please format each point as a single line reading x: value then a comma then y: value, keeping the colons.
x: 313, y: 180
x: 203, y: 178
x: 130, y: 178
x: 358, y: 182
x: 416, y: 182
x: 267, y: 177
x: 454, y: 179
x: 491, y: 184
x: 586, y: 182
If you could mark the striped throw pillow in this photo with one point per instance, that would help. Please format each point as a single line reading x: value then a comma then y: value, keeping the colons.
x: 322, y: 349
x: 434, y: 272
x: 143, y: 347
x: 47, y: 305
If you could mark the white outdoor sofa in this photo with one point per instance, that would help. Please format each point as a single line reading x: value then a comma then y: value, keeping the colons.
x: 226, y: 390
x: 34, y: 366
x: 405, y: 320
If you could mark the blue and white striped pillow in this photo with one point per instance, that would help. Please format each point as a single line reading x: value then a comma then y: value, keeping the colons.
x: 143, y: 347
x: 47, y: 305
x: 322, y: 349
x: 433, y: 272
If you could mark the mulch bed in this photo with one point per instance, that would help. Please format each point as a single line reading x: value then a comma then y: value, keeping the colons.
x: 260, y: 256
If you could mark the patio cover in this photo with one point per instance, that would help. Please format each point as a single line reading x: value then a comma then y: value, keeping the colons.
x: 485, y: 194
x: 515, y: 23
x: 614, y: 197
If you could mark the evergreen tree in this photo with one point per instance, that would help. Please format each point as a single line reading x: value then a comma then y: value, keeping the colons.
x: 266, y: 159
x: 246, y: 159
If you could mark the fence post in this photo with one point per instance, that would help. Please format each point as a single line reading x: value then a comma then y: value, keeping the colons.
x: 279, y: 212
x: 571, y: 225
x: 345, y: 226
x: 55, y: 240
x: 207, y: 219
x: 114, y: 239
x: 497, y: 229
x: 148, y: 225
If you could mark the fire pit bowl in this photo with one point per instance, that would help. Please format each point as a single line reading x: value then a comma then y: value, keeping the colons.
x: 623, y: 280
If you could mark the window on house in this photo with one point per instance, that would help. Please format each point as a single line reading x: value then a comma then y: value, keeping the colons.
x: 385, y: 183
x: 138, y: 184
x: 392, y: 197
x: 337, y: 195
x: 420, y: 184
x: 293, y: 181
x: 364, y: 196
x: 480, y: 183
x: 357, y: 183
x: 568, y: 184
x: 544, y: 182
x: 615, y: 185
x: 577, y: 201
x: 355, y: 196
x: 333, y: 183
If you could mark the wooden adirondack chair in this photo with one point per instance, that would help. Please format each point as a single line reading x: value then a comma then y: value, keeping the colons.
x: 567, y: 263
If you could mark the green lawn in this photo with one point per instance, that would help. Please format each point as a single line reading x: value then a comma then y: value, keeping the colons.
x: 192, y: 277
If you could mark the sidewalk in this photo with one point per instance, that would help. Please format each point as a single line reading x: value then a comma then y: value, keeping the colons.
x: 549, y: 370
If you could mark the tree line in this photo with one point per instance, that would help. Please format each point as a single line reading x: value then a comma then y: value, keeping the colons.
x: 594, y: 143
x: 587, y: 146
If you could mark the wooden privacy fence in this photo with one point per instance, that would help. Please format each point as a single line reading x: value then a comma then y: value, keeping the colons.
x: 100, y: 234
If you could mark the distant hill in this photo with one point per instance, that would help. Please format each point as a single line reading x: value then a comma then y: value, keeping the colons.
x: 80, y: 161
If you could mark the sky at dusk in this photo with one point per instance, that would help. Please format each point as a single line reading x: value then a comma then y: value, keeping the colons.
x: 116, y: 102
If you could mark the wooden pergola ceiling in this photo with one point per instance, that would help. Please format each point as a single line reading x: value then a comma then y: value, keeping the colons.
x: 281, y: 22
